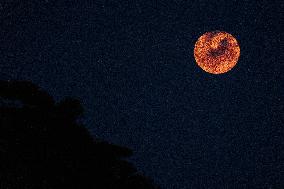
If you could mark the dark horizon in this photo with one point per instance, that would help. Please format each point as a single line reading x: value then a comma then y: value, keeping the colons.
x: 131, y: 65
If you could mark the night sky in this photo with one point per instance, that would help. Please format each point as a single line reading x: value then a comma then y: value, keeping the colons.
x: 131, y: 64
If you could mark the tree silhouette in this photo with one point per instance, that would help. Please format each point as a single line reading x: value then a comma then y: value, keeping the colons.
x: 43, y: 146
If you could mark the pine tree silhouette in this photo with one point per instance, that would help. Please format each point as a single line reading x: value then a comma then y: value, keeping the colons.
x: 43, y: 146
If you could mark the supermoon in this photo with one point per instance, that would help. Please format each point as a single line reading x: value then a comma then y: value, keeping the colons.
x: 216, y: 52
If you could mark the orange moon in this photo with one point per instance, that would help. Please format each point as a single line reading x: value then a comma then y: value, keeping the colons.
x: 216, y: 52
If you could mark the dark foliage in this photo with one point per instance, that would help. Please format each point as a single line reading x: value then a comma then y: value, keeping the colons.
x: 43, y: 146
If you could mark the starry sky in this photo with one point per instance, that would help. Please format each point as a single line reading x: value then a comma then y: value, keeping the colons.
x: 131, y: 64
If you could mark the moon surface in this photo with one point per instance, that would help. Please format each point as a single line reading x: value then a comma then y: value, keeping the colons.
x: 216, y: 52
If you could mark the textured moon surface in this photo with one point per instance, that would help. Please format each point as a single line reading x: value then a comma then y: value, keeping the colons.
x: 216, y: 52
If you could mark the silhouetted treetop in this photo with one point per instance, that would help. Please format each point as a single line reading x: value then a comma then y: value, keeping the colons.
x: 43, y: 146
x: 26, y: 92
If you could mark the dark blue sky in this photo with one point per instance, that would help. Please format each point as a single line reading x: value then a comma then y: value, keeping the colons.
x: 131, y: 63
